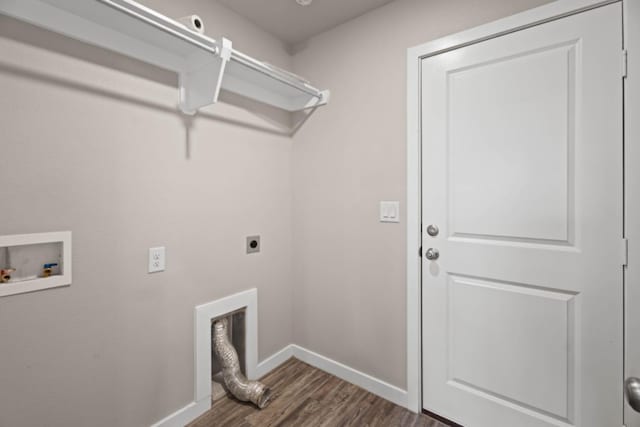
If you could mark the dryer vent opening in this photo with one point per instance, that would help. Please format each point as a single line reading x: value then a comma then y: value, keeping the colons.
x: 229, y: 361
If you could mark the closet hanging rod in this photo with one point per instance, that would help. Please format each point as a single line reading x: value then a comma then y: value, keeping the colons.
x: 211, y: 46
x: 163, y: 23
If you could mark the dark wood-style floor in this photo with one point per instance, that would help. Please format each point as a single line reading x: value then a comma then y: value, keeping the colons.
x: 304, y: 396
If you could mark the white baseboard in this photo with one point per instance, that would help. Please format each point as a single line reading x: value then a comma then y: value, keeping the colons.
x: 273, y: 361
x: 367, y: 382
x: 184, y: 416
x: 344, y: 372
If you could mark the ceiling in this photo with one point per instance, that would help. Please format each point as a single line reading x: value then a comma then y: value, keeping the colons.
x: 293, y: 23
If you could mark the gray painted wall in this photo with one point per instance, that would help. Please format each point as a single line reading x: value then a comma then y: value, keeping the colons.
x: 349, y: 280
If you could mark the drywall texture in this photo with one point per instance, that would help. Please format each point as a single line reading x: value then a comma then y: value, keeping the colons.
x: 92, y: 142
x: 349, y: 269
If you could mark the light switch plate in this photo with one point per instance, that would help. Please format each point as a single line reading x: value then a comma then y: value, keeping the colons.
x: 389, y: 211
x: 156, y: 259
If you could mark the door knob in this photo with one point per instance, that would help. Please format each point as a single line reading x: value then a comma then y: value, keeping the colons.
x: 432, y: 254
x: 632, y: 386
x: 433, y: 230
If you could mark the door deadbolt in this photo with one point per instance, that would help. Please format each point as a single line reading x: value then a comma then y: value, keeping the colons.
x: 432, y: 254
x: 433, y: 230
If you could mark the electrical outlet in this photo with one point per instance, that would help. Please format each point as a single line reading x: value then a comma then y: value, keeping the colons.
x: 253, y: 244
x: 156, y: 259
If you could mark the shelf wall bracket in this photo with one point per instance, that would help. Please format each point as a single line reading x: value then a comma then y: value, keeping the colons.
x: 200, y: 83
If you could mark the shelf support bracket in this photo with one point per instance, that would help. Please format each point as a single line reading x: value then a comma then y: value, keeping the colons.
x: 200, y: 84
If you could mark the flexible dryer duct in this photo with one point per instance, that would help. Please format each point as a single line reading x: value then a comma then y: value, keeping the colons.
x: 239, y: 386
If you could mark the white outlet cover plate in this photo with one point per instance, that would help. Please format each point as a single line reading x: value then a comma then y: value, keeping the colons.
x: 389, y: 211
x: 156, y: 259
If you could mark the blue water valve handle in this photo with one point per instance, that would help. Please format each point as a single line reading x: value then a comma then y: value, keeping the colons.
x: 54, y: 264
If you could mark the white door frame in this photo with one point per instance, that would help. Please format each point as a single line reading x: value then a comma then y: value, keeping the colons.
x: 632, y: 190
x: 527, y: 19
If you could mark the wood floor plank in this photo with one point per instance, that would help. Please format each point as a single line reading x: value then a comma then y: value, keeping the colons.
x: 377, y: 414
x: 342, y: 400
x: 304, y: 396
x: 355, y: 412
x: 302, y: 414
x: 287, y: 400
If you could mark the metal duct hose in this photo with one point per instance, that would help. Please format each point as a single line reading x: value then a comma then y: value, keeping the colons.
x: 239, y: 386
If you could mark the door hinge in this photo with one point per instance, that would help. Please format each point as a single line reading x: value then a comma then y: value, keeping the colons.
x: 625, y: 252
x: 625, y: 63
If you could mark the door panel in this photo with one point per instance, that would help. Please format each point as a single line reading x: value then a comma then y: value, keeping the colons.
x: 522, y: 174
x: 529, y: 125
x: 485, y: 316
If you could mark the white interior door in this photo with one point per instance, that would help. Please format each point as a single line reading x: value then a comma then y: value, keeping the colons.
x: 522, y: 175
